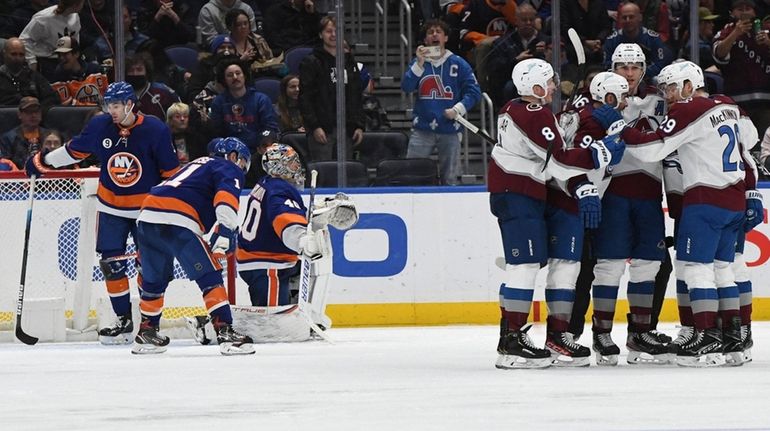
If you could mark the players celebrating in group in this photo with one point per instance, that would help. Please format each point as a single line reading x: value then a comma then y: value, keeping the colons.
x: 547, y: 182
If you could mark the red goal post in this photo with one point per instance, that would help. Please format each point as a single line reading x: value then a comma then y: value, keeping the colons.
x: 62, y: 262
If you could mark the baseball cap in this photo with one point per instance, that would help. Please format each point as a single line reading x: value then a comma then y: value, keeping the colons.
x: 218, y: 41
x: 28, y: 102
x: 737, y: 3
x: 66, y: 44
x: 704, y: 14
x: 267, y: 137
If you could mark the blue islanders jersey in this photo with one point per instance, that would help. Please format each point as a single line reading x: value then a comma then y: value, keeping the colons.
x: 273, y: 206
x: 132, y: 159
x: 192, y: 196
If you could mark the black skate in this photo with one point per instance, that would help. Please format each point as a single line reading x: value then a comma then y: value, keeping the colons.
x: 661, y: 337
x: 567, y: 353
x: 606, y: 350
x: 705, y: 350
x: 201, y: 329
x: 232, y: 342
x: 748, y: 342
x: 686, y: 334
x: 517, y: 351
x: 148, y: 340
x: 644, y: 348
x: 732, y: 345
x: 119, y: 332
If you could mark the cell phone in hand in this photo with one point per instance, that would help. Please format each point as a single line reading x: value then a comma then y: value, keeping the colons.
x: 433, y: 51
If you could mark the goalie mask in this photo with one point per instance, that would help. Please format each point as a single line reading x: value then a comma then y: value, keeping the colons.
x: 282, y: 161
x: 605, y: 83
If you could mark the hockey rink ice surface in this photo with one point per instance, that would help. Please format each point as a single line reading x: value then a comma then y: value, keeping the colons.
x: 417, y: 378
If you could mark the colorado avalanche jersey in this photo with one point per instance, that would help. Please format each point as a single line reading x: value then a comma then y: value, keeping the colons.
x: 273, y: 206
x: 526, y: 132
x: 133, y: 159
x: 586, y: 131
x: 705, y: 134
x: 633, y: 178
x: 192, y: 196
x: 672, y: 169
x: 440, y: 84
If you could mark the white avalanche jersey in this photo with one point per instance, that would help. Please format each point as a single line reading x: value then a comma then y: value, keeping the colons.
x: 672, y: 169
x: 632, y: 177
x: 705, y: 133
x: 525, y: 133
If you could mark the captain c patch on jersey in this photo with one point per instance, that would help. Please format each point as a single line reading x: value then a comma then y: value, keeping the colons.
x: 124, y: 169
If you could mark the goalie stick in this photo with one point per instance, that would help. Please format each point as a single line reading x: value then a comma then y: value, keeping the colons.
x: 474, y: 129
x: 304, y: 277
x: 577, y: 44
x: 20, y: 334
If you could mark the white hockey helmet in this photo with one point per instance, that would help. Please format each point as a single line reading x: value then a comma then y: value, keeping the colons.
x: 678, y: 73
x: 605, y: 83
x: 531, y: 72
x: 628, y: 53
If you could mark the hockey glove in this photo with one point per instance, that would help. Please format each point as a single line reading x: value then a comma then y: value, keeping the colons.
x: 589, y: 205
x: 609, y: 118
x: 601, y: 154
x: 36, y: 165
x: 222, y: 240
x: 313, y: 244
x: 616, y: 147
x: 755, y: 211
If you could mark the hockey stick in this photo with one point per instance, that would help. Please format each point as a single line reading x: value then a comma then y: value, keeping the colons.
x: 20, y: 334
x: 474, y: 129
x: 304, y: 277
x: 577, y: 44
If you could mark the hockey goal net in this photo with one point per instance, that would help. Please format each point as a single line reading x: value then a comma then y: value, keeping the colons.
x: 62, y: 261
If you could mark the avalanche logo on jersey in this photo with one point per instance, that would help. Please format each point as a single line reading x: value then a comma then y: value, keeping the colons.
x: 124, y: 169
x: 431, y: 87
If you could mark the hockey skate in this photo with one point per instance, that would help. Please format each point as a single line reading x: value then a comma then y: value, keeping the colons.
x: 606, y: 350
x: 517, y: 351
x: 748, y: 342
x: 661, y: 337
x: 232, y: 342
x: 202, y: 331
x: 732, y: 345
x: 644, y: 348
x: 148, y: 340
x: 685, y: 335
x: 705, y: 350
x: 567, y: 353
x: 119, y: 332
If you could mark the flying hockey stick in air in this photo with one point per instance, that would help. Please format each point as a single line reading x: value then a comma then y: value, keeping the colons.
x: 20, y: 334
x: 304, y: 277
x: 577, y: 44
x: 474, y: 129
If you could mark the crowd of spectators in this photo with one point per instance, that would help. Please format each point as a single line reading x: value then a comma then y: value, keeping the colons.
x: 62, y: 53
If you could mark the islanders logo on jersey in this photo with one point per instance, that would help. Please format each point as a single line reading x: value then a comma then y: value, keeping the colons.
x: 124, y: 169
x: 431, y: 87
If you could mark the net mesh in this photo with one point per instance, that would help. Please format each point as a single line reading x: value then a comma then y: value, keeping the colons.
x: 52, y: 268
